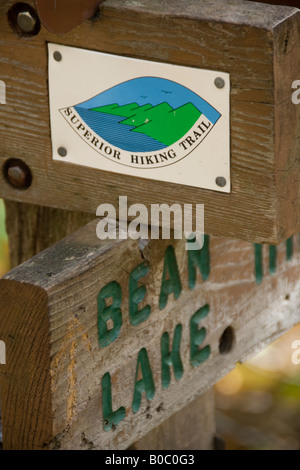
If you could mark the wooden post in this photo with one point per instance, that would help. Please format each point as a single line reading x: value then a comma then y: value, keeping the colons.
x: 192, y: 428
x: 31, y: 228
x: 113, y: 343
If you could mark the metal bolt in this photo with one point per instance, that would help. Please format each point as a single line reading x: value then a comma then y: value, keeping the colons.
x: 219, y: 82
x: 221, y: 181
x: 17, y: 173
x: 62, y: 152
x: 57, y: 56
x: 26, y: 21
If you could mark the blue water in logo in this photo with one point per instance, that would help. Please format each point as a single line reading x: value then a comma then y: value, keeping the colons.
x: 108, y: 127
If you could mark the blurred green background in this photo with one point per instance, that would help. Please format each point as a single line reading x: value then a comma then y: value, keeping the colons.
x: 258, y: 403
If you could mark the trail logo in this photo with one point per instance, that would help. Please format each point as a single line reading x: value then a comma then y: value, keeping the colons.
x: 144, y: 122
x: 140, y: 118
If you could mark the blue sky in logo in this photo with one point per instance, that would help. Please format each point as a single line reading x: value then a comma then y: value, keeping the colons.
x: 152, y: 90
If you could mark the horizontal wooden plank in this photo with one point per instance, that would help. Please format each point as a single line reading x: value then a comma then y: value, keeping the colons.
x: 232, y: 12
x: 287, y: 142
x: 32, y: 229
x: 291, y: 3
x: 245, y: 39
x: 89, y: 325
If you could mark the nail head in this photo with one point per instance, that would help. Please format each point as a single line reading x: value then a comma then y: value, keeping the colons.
x: 221, y: 181
x: 57, y: 56
x: 62, y: 152
x: 219, y: 82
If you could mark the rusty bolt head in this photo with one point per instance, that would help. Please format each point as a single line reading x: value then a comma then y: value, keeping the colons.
x: 17, y: 173
x: 26, y: 21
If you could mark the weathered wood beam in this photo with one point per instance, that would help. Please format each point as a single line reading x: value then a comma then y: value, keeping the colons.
x: 89, y: 326
x: 32, y: 229
x: 257, y: 44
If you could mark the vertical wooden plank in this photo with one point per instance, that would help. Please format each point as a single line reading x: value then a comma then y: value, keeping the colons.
x: 31, y: 228
x: 192, y: 428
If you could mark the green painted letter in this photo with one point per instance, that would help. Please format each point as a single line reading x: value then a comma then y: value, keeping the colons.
x: 289, y: 248
x: 146, y: 383
x: 272, y: 258
x: 199, y: 258
x: 171, y: 358
x: 137, y: 294
x: 172, y: 284
x: 197, y: 337
x: 110, y: 418
x: 109, y: 312
x: 258, y: 262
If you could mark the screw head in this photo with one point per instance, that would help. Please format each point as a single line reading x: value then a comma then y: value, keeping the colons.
x: 221, y: 181
x: 62, y: 151
x: 17, y: 173
x: 26, y: 21
x: 219, y: 82
x: 57, y: 56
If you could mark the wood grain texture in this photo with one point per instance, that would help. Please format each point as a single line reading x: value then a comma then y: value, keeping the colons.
x: 192, y: 428
x: 243, y: 38
x: 291, y: 3
x: 287, y: 125
x: 31, y: 228
x: 27, y: 422
x: 239, y: 289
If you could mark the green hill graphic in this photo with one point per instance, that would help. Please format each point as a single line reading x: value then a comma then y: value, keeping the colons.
x: 161, y: 122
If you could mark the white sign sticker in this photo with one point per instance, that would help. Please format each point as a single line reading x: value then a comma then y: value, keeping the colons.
x: 141, y: 118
